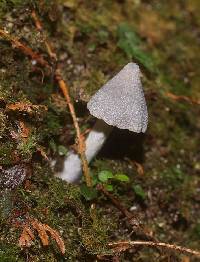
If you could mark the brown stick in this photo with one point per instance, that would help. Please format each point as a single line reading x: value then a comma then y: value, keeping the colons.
x: 183, y: 98
x: 38, y: 25
x: 133, y: 220
x: 81, y: 142
x: 25, y: 49
x: 123, y: 245
x: 115, y: 201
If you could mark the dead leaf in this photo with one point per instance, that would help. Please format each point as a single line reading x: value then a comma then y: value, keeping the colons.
x: 40, y: 228
x: 26, y: 237
x: 20, y: 106
x: 25, y: 107
x: 54, y: 234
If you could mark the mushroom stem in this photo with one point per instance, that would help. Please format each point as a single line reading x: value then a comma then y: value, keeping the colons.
x: 72, y: 169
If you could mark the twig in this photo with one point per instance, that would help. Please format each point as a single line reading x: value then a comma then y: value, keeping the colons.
x: 133, y: 220
x: 183, y: 98
x: 25, y: 49
x: 115, y: 201
x: 124, y: 245
x: 38, y: 25
x: 81, y: 142
x: 65, y: 90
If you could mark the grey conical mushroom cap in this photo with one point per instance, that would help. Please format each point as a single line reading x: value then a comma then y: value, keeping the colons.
x: 121, y: 102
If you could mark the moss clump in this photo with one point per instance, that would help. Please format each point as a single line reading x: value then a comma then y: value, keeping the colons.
x: 27, y: 147
x: 8, y: 153
x: 3, y: 121
x: 61, y: 206
x: 9, y: 255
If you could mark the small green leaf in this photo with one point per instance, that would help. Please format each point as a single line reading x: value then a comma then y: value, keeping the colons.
x: 88, y: 193
x: 104, y: 175
x: 139, y: 191
x: 122, y: 177
x: 62, y: 150
x: 109, y: 187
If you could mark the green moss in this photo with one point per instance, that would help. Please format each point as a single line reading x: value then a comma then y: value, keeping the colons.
x: 27, y: 147
x: 173, y: 176
x: 3, y: 123
x: 8, y: 253
x: 66, y: 212
x: 53, y: 124
x: 7, y: 153
x: 131, y: 44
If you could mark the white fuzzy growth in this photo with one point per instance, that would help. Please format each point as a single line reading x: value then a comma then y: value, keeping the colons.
x: 72, y: 170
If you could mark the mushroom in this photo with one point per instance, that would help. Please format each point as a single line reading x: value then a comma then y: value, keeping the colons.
x: 121, y: 103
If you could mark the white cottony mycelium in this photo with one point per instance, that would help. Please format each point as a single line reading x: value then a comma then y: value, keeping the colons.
x: 121, y: 103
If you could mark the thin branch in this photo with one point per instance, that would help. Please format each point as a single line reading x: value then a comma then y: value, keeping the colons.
x: 133, y: 220
x: 38, y: 25
x: 80, y: 138
x: 183, y: 98
x: 25, y: 49
x: 115, y: 201
x: 124, y: 245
